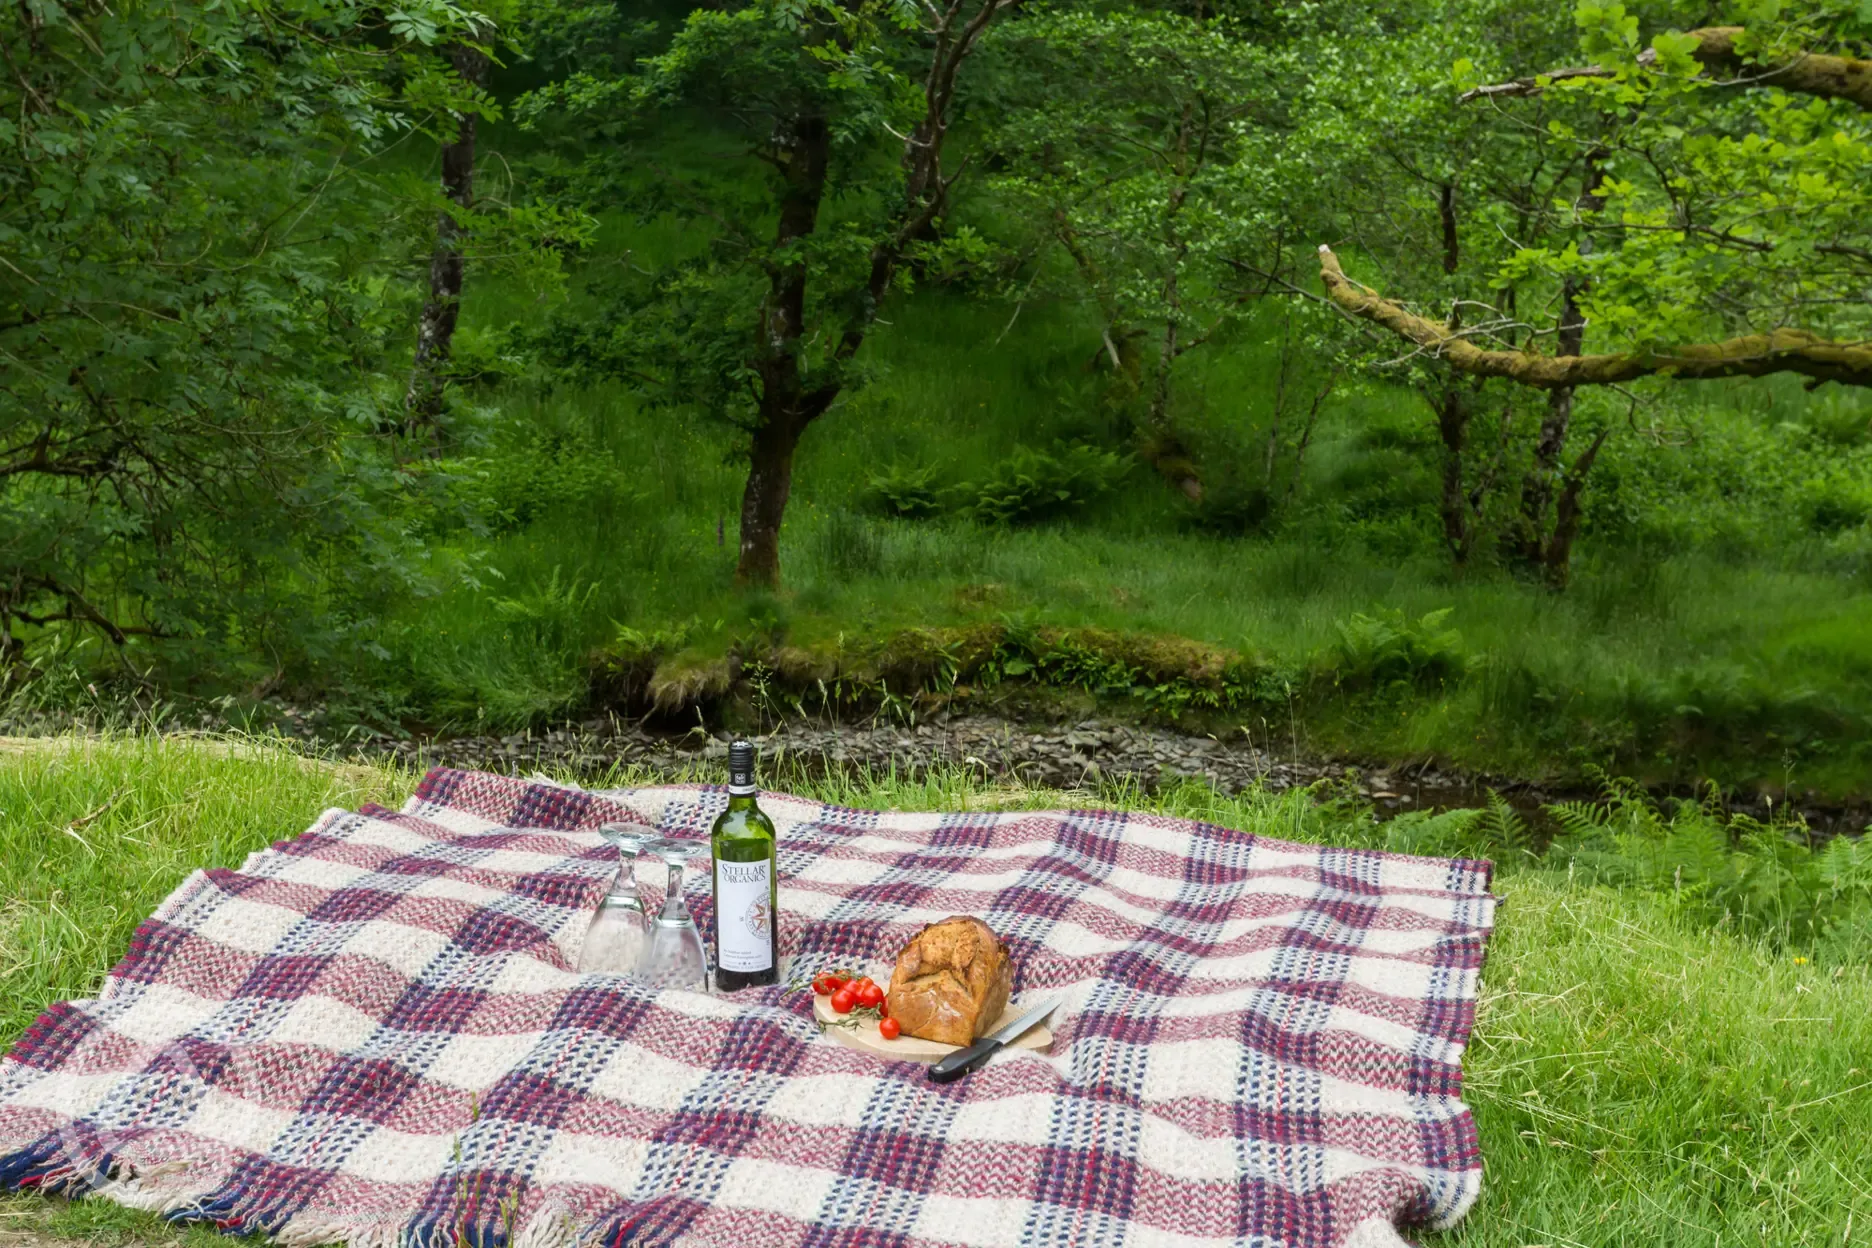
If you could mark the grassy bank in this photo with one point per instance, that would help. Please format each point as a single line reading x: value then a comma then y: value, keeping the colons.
x: 1714, y: 627
x: 1641, y: 1071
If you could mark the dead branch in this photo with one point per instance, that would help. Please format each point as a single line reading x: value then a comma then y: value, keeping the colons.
x: 1806, y: 73
x: 1750, y: 355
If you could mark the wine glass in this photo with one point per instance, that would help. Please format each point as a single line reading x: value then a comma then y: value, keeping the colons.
x: 619, y: 931
x: 673, y: 957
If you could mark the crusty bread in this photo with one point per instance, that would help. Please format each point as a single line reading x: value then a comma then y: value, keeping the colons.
x: 951, y: 982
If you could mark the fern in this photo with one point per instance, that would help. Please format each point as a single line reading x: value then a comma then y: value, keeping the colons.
x: 1578, y: 819
x: 1763, y: 879
x: 552, y: 611
x: 1493, y: 832
x: 1500, y: 824
x: 905, y: 491
x: 1845, y: 868
x: 1389, y: 651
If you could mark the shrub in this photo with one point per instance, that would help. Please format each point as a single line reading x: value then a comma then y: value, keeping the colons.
x: 1167, y: 675
x: 1836, y: 507
x: 1028, y: 486
x: 1032, y: 485
x: 634, y: 644
x: 1233, y: 509
x: 527, y: 672
x: 1840, y: 416
x: 483, y: 357
x: 549, y: 475
x: 547, y: 614
x: 1387, y: 650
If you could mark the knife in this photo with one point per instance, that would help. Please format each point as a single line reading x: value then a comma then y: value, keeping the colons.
x: 962, y: 1061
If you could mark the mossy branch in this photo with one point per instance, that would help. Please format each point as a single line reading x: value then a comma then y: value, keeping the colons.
x: 1751, y: 355
x: 1806, y: 73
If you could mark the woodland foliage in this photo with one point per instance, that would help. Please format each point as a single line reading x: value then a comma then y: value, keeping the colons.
x: 235, y: 418
x: 192, y: 313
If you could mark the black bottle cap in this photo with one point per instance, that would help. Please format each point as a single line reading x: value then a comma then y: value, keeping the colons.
x: 741, y: 765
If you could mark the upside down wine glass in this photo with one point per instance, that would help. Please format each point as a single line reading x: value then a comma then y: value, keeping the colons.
x: 673, y: 957
x: 619, y: 931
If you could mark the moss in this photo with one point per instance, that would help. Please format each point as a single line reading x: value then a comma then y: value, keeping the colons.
x: 686, y: 682
x: 1168, y: 674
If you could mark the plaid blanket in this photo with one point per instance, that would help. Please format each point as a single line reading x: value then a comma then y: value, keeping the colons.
x: 375, y: 1034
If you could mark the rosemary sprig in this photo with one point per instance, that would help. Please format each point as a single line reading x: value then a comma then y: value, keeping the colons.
x: 799, y: 984
x: 871, y: 1012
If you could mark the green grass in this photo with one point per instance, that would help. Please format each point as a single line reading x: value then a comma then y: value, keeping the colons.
x: 94, y: 833
x: 1638, y: 1076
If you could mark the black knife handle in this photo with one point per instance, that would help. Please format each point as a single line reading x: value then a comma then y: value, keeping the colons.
x: 962, y: 1061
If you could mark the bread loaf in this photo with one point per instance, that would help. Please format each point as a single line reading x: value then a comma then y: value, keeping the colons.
x: 951, y: 982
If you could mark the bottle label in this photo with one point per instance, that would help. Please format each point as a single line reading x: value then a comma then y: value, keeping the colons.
x: 744, y: 915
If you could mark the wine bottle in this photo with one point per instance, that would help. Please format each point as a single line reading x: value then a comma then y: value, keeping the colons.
x: 747, y: 885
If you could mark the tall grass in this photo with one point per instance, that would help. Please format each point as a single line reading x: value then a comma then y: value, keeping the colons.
x: 1639, y: 1075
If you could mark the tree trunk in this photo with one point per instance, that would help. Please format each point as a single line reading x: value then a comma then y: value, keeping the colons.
x: 12, y: 649
x: 1446, y: 209
x: 1558, y: 557
x: 1160, y: 443
x: 435, y: 334
x: 1530, y: 544
x: 1117, y: 343
x: 803, y: 149
x: 1782, y: 350
x: 1805, y: 73
x: 1452, y: 413
x: 763, y: 503
x: 1538, y: 487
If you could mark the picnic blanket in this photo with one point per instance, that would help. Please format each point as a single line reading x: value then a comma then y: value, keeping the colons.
x: 375, y: 1034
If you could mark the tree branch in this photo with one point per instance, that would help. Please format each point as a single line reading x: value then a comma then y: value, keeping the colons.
x: 1807, y: 73
x: 1751, y: 355
x: 1841, y: 249
x: 926, y: 189
x: 78, y: 609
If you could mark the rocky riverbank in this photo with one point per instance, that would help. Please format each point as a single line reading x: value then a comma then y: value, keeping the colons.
x: 1089, y: 755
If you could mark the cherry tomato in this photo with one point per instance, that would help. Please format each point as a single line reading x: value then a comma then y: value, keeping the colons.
x: 826, y: 985
x: 843, y: 1001
x: 870, y: 994
x: 890, y: 1029
x: 837, y: 980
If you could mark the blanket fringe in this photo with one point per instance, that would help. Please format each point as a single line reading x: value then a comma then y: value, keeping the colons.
x: 40, y: 1166
x: 45, y: 1169
x: 180, y: 1193
x: 549, y: 1228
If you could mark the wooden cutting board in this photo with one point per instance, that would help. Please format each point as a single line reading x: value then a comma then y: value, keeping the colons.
x: 862, y: 1034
